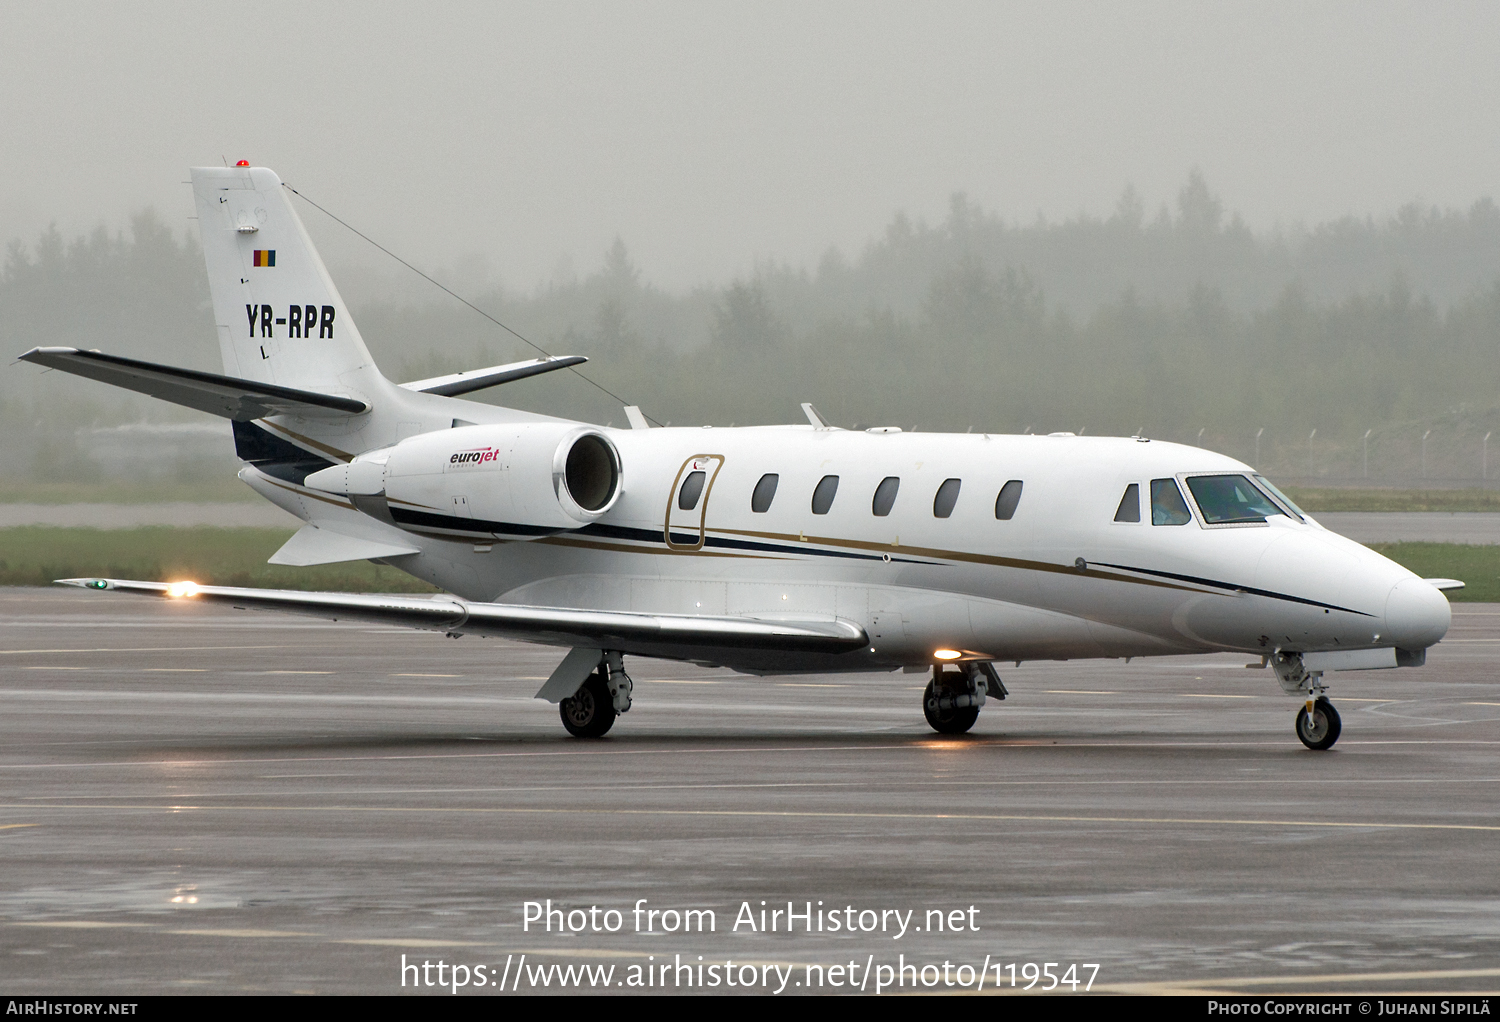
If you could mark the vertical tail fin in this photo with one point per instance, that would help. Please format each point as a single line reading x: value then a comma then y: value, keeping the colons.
x: 280, y: 319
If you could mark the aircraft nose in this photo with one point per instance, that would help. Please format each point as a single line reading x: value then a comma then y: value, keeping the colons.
x: 1416, y: 614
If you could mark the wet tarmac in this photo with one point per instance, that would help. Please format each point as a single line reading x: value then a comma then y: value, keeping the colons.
x: 201, y: 800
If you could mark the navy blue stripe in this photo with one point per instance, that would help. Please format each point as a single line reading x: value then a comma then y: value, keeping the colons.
x: 1231, y: 587
x: 689, y: 538
x: 426, y: 519
x: 406, y: 516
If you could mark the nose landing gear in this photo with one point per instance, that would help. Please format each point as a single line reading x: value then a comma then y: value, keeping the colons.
x: 1318, y: 724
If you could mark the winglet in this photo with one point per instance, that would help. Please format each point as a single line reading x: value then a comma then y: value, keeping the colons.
x: 85, y: 583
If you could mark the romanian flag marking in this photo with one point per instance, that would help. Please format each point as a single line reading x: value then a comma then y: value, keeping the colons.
x: 265, y: 257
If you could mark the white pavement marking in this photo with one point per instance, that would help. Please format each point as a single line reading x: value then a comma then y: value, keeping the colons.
x: 1189, y: 821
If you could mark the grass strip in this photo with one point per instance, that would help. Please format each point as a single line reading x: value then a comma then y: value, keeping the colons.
x: 1478, y: 567
x: 1333, y: 499
x: 36, y: 555
x: 226, y: 489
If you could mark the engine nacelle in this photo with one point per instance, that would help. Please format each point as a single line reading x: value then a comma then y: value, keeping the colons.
x: 516, y: 480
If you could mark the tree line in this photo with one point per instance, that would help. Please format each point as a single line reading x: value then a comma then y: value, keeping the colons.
x: 1178, y: 324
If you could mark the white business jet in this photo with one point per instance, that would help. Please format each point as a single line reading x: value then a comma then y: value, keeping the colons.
x: 766, y: 549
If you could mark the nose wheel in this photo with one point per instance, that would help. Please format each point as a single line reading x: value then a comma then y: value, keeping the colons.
x: 1320, y: 728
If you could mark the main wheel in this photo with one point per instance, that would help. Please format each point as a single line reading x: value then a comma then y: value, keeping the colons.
x: 590, y: 712
x: 1320, y: 729
x: 946, y: 722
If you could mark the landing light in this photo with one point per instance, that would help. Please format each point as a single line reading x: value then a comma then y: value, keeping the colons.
x: 947, y: 654
x: 177, y: 590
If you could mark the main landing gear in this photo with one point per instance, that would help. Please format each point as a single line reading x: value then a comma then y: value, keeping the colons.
x: 1317, y: 723
x: 956, y: 693
x: 591, y: 711
x: 588, y: 713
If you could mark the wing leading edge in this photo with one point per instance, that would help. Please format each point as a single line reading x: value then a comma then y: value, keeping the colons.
x: 553, y: 626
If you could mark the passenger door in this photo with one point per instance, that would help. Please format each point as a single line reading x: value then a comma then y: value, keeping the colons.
x: 687, y: 502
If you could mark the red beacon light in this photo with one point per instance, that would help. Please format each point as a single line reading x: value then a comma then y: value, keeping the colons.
x: 243, y: 163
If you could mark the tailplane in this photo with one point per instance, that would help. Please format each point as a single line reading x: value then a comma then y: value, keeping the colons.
x: 298, y: 380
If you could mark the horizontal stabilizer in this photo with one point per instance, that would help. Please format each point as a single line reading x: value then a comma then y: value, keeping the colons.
x: 241, y: 400
x: 553, y: 626
x: 314, y: 545
x: 477, y: 379
x: 1444, y: 583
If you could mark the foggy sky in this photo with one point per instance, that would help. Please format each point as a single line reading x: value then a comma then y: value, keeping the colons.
x: 712, y: 135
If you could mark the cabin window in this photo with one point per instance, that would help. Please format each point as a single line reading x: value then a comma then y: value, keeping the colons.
x: 823, y: 495
x: 765, y: 492
x: 947, y: 496
x: 1230, y: 500
x: 1130, y: 505
x: 885, y: 496
x: 1005, y: 503
x: 692, y: 489
x: 1167, y: 505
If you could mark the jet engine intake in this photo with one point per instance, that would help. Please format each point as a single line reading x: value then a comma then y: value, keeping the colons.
x: 586, y: 475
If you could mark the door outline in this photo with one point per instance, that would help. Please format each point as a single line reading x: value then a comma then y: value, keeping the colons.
x: 697, y: 463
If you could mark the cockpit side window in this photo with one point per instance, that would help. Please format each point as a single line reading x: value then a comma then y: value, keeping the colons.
x: 1167, y: 505
x: 1230, y: 500
x: 1130, y: 505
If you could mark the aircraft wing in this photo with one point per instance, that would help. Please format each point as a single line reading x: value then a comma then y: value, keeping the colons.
x: 243, y: 400
x: 553, y: 626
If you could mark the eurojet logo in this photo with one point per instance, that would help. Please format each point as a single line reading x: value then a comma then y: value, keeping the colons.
x: 474, y: 458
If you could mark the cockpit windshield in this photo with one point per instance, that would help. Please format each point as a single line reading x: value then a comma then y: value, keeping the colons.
x: 1231, y: 500
x: 1286, y: 502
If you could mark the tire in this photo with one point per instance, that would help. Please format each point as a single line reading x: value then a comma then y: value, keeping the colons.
x: 946, y: 722
x: 590, y: 712
x: 1322, y: 729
